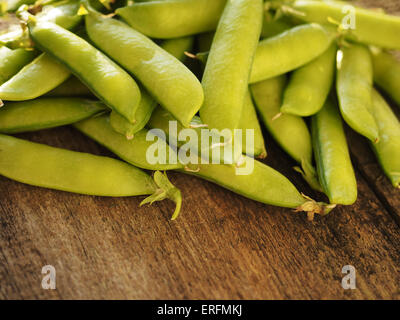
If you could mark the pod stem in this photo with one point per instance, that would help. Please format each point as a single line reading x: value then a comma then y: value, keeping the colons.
x: 165, y: 190
x: 313, y: 207
x: 309, y: 175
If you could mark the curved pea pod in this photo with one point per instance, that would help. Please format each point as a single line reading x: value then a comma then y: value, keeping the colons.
x: 387, y: 149
x: 71, y: 87
x: 45, y: 113
x: 354, y: 89
x: 335, y: 170
x: 387, y: 74
x: 143, y: 114
x: 264, y: 185
x: 366, y: 26
x: 11, y: 61
x: 226, y: 74
x: 309, y: 86
x: 63, y: 13
x: 35, y: 79
x: 133, y: 151
x: 82, y: 173
x: 173, y: 18
x: 291, y: 132
x: 168, y: 80
x: 249, y: 121
x: 289, y: 50
x: 105, y: 78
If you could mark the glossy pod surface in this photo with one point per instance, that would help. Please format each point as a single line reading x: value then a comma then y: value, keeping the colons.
x: 173, y: 18
x: 225, y: 78
x: 45, y: 113
x: 65, y: 170
x: 388, y: 148
x: 272, y: 58
x: 310, y: 85
x: 334, y: 166
x: 12, y: 61
x: 354, y: 89
x: 105, y: 78
x: 40, y: 76
x: 63, y: 13
x: 370, y: 27
x: 132, y: 151
x: 387, y: 74
x: 165, y: 77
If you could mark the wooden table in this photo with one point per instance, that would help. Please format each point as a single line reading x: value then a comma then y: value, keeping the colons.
x: 223, y: 246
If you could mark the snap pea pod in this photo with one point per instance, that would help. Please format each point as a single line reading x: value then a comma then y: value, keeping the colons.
x: 143, y: 114
x: 168, y: 80
x: 354, y: 87
x: 272, y: 59
x: 62, y: 13
x: 310, y: 85
x: 387, y: 74
x: 225, y: 78
x: 334, y: 166
x: 105, y: 78
x: 44, y: 113
x: 370, y: 27
x: 387, y: 149
x: 132, y: 151
x: 176, y: 47
x: 291, y: 132
x: 35, y: 79
x: 12, y: 61
x: 71, y: 87
x: 83, y: 173
x: 173, y: 18
x: 264, y: 185
x: 249, y: 121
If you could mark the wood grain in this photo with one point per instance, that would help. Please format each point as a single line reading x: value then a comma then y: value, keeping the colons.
x: 222, y: 247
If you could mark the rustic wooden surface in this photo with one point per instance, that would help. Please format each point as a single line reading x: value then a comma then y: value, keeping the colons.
x: 222, y: 247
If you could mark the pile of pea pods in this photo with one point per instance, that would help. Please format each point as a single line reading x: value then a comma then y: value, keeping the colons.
x: 115, y: 69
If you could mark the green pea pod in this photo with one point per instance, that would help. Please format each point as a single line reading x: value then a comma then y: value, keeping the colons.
x: 387, y: 149
x: 62, y: 13
x: 143, y: 114
x: 169, y: 81
x: 387, y: 74
x: 45, y: 113
x: 132, y: 151
x: 173, y: 18
x: 310, y: 85
x: 334, y: 166
x: 264, y: 185
x: 103, y: 76
x: 71, y: 87
x: 354, y: 89
x: 177, y: 47
x: 35, y: 79
x: 249, y: 121
x: 83, y: 173
x: 12, y: 61
x: 291, y: 132
x: 229, y: 63
x: 304, y: 43
x: 366, y: 26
